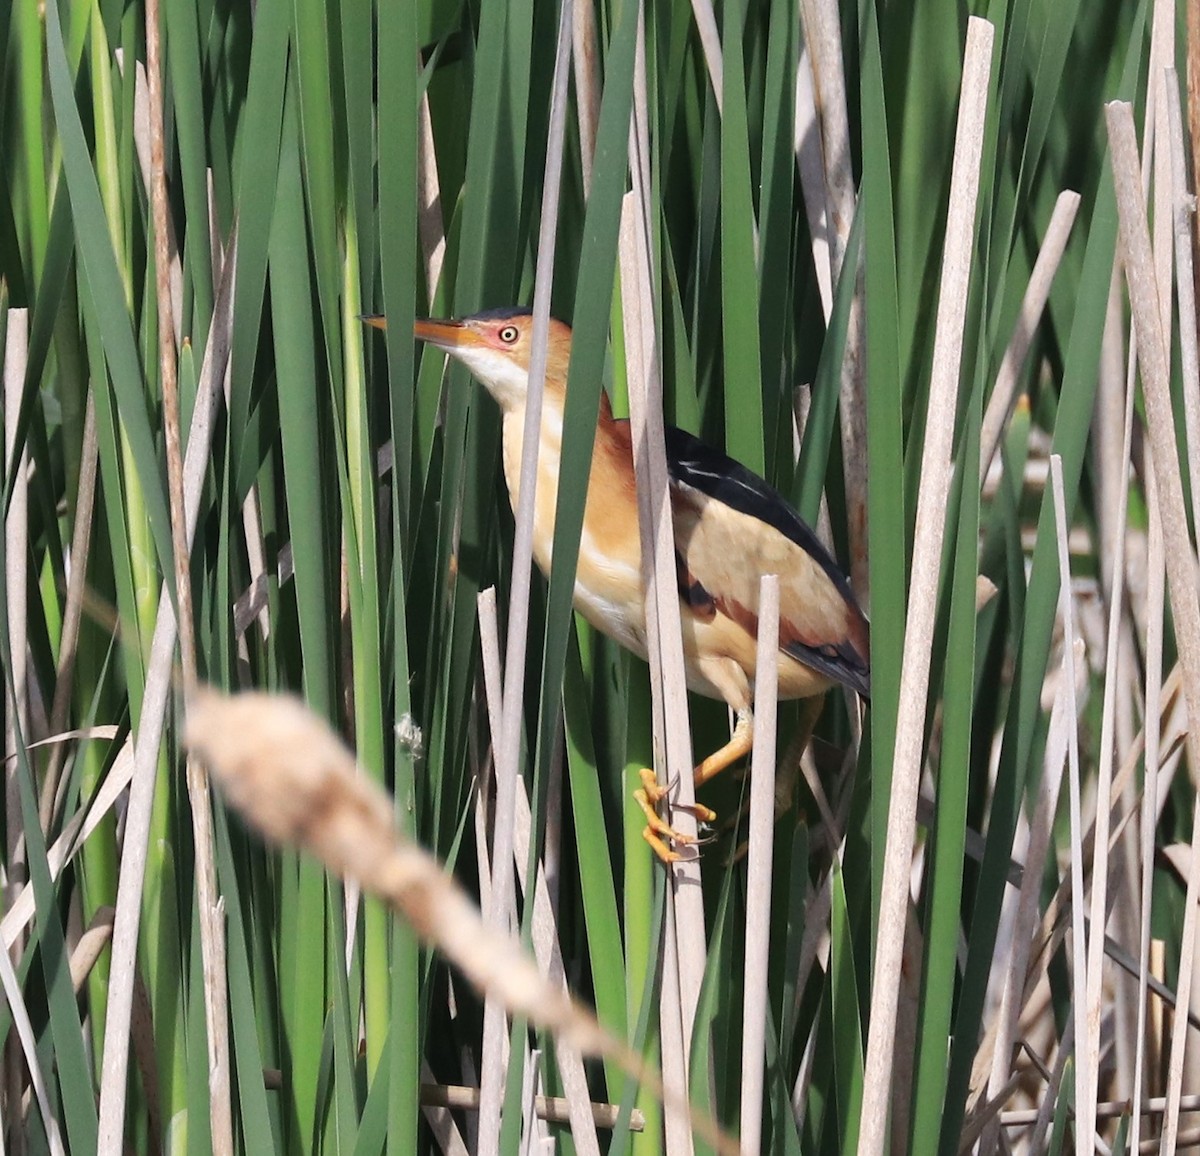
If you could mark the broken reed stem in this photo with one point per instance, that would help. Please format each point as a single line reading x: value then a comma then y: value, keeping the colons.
x: 710, y: 43
x: 508, y: 754
x: 298, y: 784
x: 810, y: 167
x: 1144, y: 301
x: 936, y: 471
x: 430, y: 226
x: 553, y: 1109
x: 1037, y: 293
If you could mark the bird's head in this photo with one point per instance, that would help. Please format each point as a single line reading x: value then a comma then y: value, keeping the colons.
x: 497, y: 347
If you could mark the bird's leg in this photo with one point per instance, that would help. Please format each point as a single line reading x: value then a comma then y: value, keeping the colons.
x: 739, y: 744
x: 787, y: 774
x: 789, y: 769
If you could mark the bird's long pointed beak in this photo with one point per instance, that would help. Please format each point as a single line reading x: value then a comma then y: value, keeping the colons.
x: 447, y: 335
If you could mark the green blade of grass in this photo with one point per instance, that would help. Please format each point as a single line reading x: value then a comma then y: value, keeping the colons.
x: 739, y: 266
x: 104, y: 283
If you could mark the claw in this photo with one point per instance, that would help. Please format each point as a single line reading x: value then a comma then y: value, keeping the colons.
x: 658, y: 832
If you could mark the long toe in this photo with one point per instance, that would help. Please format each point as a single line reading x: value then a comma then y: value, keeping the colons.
x: 658, y: 832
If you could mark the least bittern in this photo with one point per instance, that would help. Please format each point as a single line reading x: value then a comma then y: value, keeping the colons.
x: 731, y: 527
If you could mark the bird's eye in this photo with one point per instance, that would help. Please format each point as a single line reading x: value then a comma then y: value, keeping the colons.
x: 509, y: 334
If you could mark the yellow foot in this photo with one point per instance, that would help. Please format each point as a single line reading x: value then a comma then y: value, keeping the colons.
x: 658, y: 832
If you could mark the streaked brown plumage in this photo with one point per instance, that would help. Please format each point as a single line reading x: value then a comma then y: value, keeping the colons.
x: 730, y: 529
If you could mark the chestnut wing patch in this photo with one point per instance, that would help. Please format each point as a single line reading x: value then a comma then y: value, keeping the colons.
x: 692, y: 594
x: 730, y: 529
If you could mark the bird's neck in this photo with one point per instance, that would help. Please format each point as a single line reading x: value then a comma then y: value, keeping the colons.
x: 549, y: 448
x: 611, y: 450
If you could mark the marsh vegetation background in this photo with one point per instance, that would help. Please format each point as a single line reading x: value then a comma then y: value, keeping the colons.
x: 909, y: 300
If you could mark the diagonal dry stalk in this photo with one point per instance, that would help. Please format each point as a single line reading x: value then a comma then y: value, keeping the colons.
x: 297, y: 784
x: 710, y: 43
x: 1033, y: 304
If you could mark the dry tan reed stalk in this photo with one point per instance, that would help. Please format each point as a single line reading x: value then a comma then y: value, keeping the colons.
x: 493, y: 1070
x: 1037, y: 293
x: 73, y: 835
x: 999, y: 1038
x: 440, y: 1120
x: 508, y: 751
x: 710, y: 43
x: 16, y: 576
x: 761, y: 840
x: 1184, y: 217
x: 14, y: 997
x: 295, y: 781
x: 154, y: 707
x: 936, y: 469
x: 823, y: 41
x: 143, y: 148
x: 551, y: 1108
x: 430, y: 226
x: 685, y: 944
x: 1144, y: 301
x: 810, y: 167
x: 1155, y: 605
x: 1066, y: 1046
x: 1050, y: 924
x: 210, y: 906
x: 585, y: 57
x: 91, y: 945
x: 1157, y: 139
x: 1086, y: 1064
x: 545, y: 933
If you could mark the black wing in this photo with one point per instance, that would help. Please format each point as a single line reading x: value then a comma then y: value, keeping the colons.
x: 692, y: 463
